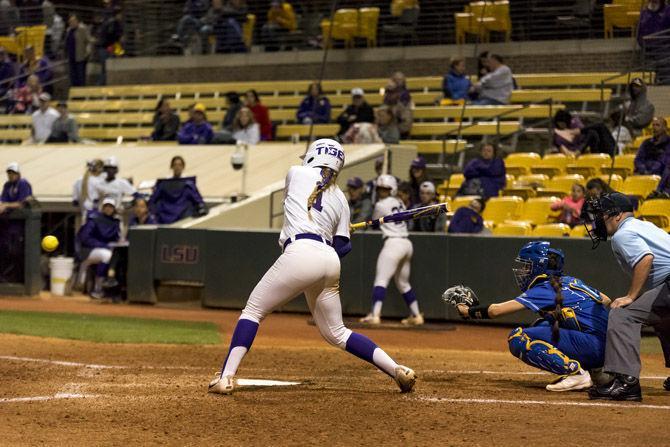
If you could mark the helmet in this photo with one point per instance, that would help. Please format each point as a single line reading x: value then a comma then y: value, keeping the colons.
x: 535, y: 259
x: 324, y: 153
x: 387, y: 181
x: 595, y: 211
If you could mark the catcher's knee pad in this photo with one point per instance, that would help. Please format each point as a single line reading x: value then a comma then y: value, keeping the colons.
x: 540, y: 354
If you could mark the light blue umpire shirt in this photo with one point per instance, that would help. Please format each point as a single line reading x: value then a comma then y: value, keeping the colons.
x: 636, y: 238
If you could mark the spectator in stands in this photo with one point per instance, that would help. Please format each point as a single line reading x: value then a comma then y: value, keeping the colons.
x: 639, y: 110
x: 7, y: 73
x: 484, y: 176
x: 399, y: 100
x: 198, y: 131
x: 360, y: 205
x: 234, y: 104
x: 141, y: 214
x: 315, y: 108
x: 572, y: 138
x: 620, y: 133
x: 39, y: 67
x: 43, y: 119
x: 177, y: 197
x: 362, y: 133
x: 482, y: 64
x: 65, y: 128
x: 166, y: 122
x: 655, y: 151
x: 468, y: 219
x: 596, y: 187
x: 9, y: 17
x: 261, y: 114
x: 571, y: 206
x: 108, y: 39
x: 654, y: 18
x: 225, y: 22
x: 111, y: 186
x: 190, y: 23
x: 95, y: 236
x: 417, y: 175
x: 55, y: 29
x: 245, y: 129
x: 456, y: 84
x: 26, y: 99
x: 433, y: 223
x: 359, y: 111
x: 16, y: 190
x: 77, y: 41
x: 495, y: 88
x: 84, y: 189
x: 387, y: 126
x: 281, y: 21
x: 564, y: 136
x: 405, y: 194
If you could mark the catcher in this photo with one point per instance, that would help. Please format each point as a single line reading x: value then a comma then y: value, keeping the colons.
x: 569, y: 338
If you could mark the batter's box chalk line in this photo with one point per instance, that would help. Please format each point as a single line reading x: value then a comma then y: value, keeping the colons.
x: 57, y: 396
x: 256, y: 383
x: 631, y: 405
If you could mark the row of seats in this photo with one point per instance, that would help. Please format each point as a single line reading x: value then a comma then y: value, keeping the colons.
x: 588, y: 165
x: 623, y: 14
x: 481, y: 18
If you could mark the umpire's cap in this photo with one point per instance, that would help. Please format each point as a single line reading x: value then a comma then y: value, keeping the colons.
x: 616, y: 202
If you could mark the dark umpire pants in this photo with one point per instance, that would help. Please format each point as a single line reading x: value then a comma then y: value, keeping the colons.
x: 652, y: 308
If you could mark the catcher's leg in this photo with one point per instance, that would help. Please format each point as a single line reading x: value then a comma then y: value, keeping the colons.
x: 536, y: 352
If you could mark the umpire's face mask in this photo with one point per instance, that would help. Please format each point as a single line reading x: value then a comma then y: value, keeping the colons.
x: 594, y: 222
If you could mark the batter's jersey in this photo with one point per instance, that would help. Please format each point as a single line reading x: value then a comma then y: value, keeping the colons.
x: 387, y: 206
x: 329, y: 215
x: 590, y: 315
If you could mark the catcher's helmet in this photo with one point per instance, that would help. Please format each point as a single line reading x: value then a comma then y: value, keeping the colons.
x: 535, y: 259
x: 325, y: 153
x: 387, y: 181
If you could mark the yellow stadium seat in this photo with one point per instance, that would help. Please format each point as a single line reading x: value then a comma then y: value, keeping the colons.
x: 563, y: 183
x: 519, y: 163
x: 640, y: 185
x: 502, y: 23
x: 589, y: 165
x: 344, y: 27
x: 656, y: 211
x: 524, y: 192
x: 578, y: 231
x: 620, y: 16
x: 537, y: 210
x: 624, y: 165
x: 368, y: 19
x: 248, y: 30
x: 552, y: 230
x: 616, y: 182
x: 511, y: 228
x: 461, y: 201
x: 31, y: 36
x: 551, y: 165
x: 500, y: 209
x: 456, y: 180
x: 532, y: 180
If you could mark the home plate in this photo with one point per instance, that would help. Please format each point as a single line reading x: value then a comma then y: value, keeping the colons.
x: 263, y: 382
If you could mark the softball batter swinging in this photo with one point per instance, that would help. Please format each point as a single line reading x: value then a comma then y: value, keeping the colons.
x: 396, y: 256
x: 315, y: 235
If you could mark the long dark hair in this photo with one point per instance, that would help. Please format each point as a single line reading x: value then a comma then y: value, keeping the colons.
x: 557, y: 313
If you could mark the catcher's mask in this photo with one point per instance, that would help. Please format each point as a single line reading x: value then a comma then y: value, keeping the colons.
x: 535, y: 259
x: 596, y: 210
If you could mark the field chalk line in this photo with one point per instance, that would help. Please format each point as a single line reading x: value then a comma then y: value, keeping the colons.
x: 541, y: 402
x: 512, y: 373
x: 56, y: 396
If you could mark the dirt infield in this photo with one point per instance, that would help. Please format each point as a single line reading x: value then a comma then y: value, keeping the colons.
x: 471, y: 391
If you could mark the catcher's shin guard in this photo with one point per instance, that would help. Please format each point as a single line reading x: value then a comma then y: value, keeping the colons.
x: 540, y: 354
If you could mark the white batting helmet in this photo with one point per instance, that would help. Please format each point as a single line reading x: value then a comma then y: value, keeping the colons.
x: 325, y: 153
x: 388, y: 181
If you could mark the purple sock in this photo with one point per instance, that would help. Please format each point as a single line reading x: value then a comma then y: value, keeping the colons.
x: 409, y: 297
x: 101, y: 270
x: 361, y: 346
x: 244, y: 335
x: 378, y: 294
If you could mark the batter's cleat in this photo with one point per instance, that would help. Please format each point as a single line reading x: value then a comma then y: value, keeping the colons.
x: 413, y: 320
x: 222, y: 384
x: 666, y: 384
x: 371, y: 319
x: 581, y: 380
x: 405, y: 378
x: 621, y: 388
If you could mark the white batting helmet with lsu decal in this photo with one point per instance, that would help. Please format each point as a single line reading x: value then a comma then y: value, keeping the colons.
x: 388, y: 181
x: 325, y: 153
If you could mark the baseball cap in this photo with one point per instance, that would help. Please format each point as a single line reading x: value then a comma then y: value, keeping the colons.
x: 108, y: 201
x: 13, y: 167
x: 419, y: 163
x: 357, y: 91
x: 199, y: 107
x: 111, y: 162
x: 355, y: 182
x: 427, y: 187
x: 617, y: 200
x: 44, y: 97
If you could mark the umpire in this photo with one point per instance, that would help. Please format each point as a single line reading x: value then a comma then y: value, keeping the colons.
x: 643, y: 251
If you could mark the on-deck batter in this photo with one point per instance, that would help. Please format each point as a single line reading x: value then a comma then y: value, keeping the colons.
x: 315, y: 233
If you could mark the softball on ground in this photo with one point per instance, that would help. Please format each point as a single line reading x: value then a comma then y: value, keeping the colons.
x: 49, y: 243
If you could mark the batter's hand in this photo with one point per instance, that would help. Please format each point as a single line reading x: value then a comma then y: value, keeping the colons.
x: 621, y: 302
x: 463, y: 310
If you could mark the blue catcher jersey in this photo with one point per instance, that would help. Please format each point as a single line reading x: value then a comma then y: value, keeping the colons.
x: 582, y: 305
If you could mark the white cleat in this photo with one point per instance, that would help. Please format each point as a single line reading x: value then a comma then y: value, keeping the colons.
x: 413, y: 320
x: 222, y: 385
x: 581, y: 380
x: 371, y: 319
x: 405, y: 378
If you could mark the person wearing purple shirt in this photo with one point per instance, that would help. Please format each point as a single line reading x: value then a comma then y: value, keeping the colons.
x: 654, y: 152
x: 488, y: 170
x: 39, y: 67
x: 468, y: 219
x: 7, y: 72
x: 315, y: 108
x: 141, y: 214
x: 654, y: 17
x: 177, y: 197
x: 198, y: 130
x: 16, y: 190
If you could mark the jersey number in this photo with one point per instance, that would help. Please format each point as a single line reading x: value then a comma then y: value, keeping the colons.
x: 396, y: 209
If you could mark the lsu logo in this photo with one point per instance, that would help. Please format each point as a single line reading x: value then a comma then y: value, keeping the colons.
x: 180, y: 254
x: 330, y: 150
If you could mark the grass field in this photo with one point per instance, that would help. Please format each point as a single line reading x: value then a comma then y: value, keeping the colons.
x: 108, y: 329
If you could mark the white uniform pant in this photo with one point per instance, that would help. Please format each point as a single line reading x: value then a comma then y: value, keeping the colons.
x: 308, y: 267
x: 394, y: 261
x: 96, y: 256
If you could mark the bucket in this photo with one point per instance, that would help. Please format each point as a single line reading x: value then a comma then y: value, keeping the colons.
x: 61, y: 271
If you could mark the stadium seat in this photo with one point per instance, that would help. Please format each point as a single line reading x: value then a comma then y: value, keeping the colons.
x: 466, y: 23
x: 320, y: 130
x: 640, y: 185
x: 552, y: 230
x: 454, y: 184
x: 561, y: 95
x: 656, y: 211
x: 551, y: 165
x: 589, y: 165
x: 344, y: 27
x: 532, y: 180
x: 578, y: 231
x: 615, y: 182
x: 500, y: 209
x: 561, y: 184
x: 511, y: 228
x: 473, y: 111
x: 624, y: 165
x: 501, y: 22
x: 519, y: 163
x: 248, y: 30
x: 621, y: 14
x: 461, y: 201
x: 429, y: 146
x: 368, y: 19
x: 537, y: 210
x: 524, y: 192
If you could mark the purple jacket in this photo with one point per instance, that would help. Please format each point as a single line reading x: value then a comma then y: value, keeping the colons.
x: 466, y: 220
x: 16, y: 192
x: 99, y: 231
x: 320, y: 114
x: 192, y: 133
x: 652, y: 22
x: 652, y: 156
x: 491, y: 174
x: 43, y: 72
x: 176, y: 198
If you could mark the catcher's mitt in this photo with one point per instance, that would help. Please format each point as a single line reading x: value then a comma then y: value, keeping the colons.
x: 460, y: 295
